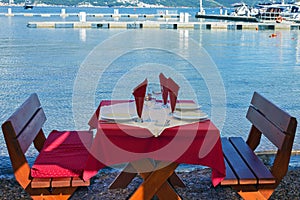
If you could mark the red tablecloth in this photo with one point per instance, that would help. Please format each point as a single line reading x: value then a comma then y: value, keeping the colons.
x: 197, y: 143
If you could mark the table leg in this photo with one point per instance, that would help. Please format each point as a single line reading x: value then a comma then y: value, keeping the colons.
x: 127, y: 174
x: 176, y: 181
x: 154, y: 182
x: 124, y: 178
x: 165, y: 192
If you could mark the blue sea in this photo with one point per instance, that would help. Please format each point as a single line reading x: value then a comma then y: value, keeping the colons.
x: 72, y: 70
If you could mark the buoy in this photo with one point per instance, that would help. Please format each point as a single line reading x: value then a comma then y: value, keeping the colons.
x: 273, y: 35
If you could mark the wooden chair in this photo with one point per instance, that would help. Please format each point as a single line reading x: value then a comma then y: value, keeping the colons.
x: 245, y: 172
x: 23, y: 128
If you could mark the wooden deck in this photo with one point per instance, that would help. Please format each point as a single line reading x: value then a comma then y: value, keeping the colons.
x: 166, y: 25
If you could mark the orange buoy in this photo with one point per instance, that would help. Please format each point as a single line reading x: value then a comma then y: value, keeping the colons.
x: 273, y: 35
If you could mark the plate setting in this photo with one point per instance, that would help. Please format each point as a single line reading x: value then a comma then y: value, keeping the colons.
x: 190, y: 115
x: 118, y: 116
x: 187, y: 106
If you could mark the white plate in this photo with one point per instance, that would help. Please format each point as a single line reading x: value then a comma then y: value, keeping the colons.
x: 187, y: 106
x: 190, y: 115
x: 117, y: 116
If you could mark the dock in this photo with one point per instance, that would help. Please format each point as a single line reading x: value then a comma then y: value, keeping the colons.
x: 227, y: 17
x: 164, y: 14
x: 166, y: 25
x: 163, y: 20
x: 97, y: 15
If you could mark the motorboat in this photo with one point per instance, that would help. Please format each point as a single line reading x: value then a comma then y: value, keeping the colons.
x: 242, y: 9
x: 28, y: 4
x: 279, y: 12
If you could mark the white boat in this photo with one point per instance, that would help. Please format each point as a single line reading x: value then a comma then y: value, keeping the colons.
x: 28, y: 4
x: 279, y: 12
x: 242, y: 9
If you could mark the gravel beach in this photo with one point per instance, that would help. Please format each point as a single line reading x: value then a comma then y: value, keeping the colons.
x: 198, y: 186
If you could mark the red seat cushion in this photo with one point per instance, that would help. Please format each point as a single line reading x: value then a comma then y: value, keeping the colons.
x: 64, y: 155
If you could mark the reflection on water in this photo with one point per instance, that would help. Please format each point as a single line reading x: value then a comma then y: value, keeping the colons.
x: 82, y: 34
x: 297, y: 51
x: 184, y: 35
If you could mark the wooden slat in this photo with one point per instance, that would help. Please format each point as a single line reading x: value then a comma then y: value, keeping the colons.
x: 255, y: 164
x: 61, y: 182
x: 41, y: 182
x: 76, y: 182
x: 58, y: 182
x: 241, y: 170
x: 271, y: 111
x: 230, y: 178
x: 31, y: 130
x: 275, y: 135
x: 24, y: 113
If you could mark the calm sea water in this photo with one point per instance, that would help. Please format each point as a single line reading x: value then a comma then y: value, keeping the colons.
x: 47, y: 61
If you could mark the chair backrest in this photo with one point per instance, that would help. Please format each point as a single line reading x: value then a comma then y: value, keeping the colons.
x: 276, y: 125
x: 20, y: 130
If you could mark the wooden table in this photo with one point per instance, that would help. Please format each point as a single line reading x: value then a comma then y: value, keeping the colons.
x: 155, y: 158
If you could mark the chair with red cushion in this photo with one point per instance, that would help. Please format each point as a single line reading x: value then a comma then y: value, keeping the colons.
x: 58, y: 168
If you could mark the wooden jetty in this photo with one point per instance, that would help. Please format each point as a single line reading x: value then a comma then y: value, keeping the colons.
x: 159, y: 21
x: 96, y: 15
x: 227, y: 17
x: 167, y: 25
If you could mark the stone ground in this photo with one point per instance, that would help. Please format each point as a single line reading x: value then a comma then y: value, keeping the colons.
x: 198, y: 186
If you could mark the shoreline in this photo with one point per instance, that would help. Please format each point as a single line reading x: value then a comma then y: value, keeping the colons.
x: 82, y: 6
x: 198, y: 186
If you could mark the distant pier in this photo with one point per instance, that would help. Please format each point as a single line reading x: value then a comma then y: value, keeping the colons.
x: 165, y: 14
x: 227, y: 17
x: 167, y: 25
x: 163, y: 20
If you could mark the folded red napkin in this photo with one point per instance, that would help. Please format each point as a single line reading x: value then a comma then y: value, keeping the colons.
x: 173, y: 93
x: 163, y: 83
x: 139, y: 93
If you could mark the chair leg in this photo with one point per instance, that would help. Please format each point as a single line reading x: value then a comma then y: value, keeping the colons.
x: 57, y: 193
x: 260, y: 194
